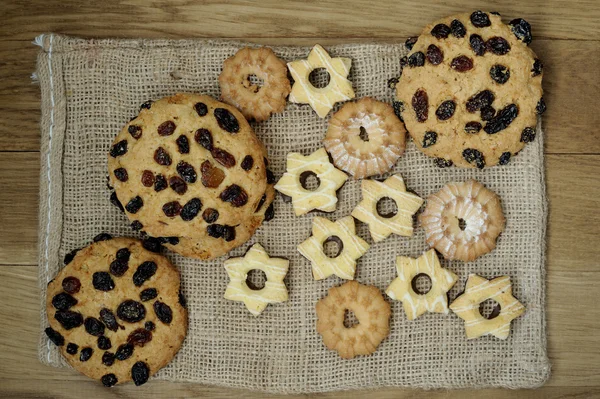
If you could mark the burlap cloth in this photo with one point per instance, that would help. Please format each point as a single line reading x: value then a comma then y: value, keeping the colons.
x: 91, y: 88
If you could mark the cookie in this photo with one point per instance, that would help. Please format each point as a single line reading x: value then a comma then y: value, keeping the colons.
x: 463, y: 220
x: 477, y: 291
x: 294, y: 182
x: 350, y: 247
x: 256, y: 300
x: 404, y: 287
x: 371, y: 310
x: 189, y: 169
x: 365, y: 138
x: 255, y: 101
x: 381, y: 225
x: 322, y: 99
x: 471, y: 90
x: 116, y: 311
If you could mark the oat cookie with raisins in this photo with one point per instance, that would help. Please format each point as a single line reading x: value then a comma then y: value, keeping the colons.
x: 471, y: 90
x: 190, y: 170
x: 116, y: 311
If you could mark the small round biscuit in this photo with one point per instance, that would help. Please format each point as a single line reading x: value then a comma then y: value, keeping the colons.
x: 255, y: 102
x: 374, y: 154
x: 116, y: 311
x: 369, y: 307
x: 471, y: 90
x: 463, y: 220
x: 190, y: 170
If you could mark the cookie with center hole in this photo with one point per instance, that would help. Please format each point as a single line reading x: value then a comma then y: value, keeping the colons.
x: 116, y: 311
x: 190, y: 171
x: 471, y: 90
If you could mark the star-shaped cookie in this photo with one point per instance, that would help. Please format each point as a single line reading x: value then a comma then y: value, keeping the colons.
x: 477, y: 290
x: 321, y: 99
x: 415, y: 304
x: 274, y: 290
x: 401, y: 222
x: 352, y: 247
x: 330, y: 180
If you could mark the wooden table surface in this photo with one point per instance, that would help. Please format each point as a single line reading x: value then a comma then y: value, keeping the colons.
x: 566, y: 38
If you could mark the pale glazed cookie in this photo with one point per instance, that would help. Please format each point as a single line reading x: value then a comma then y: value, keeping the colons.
x: 477, y: 291
x: 350, y: 248
x: 384, y: 143
x: 463, y: 220
x: 255, y: 102
x: 381, y: 226
x: 321, y: 99
x: 371, y: 311
x: 190, y: 170
x: 328, y: 177
x: 403, y: 287
x: 274, y: 290
x: 116, y: 311
x: 471, y: 92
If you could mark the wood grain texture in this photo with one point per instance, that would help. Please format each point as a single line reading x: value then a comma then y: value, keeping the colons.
x: 566, y: 38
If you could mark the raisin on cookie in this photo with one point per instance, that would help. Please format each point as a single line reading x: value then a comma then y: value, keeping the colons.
x: 190, y: 171
x: 471, y: 90
x: 116, y: 311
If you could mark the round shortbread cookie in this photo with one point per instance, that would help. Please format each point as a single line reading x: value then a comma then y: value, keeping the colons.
x: 471, y: 90
x: 189, y: 169
x: 116, y: 311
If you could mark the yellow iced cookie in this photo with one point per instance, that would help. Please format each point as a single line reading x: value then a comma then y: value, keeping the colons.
x: 350, y: 248
x: 381, y: 226
x: 478, y: 290
x: 402, y: 289
x: 274, y: 290
x: 321, y: 99
x: 329, y: 180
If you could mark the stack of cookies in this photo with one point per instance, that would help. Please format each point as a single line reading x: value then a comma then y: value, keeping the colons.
x: 191, y: 176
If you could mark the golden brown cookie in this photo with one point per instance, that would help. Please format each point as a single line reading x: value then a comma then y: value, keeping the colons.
x: 321, y: 99
x: 116, y: 311
x: 275, y: 270
x: 189, y: 169
x: 350, y: 248
x: 374, y: 154
x: 403, y: 288
x: 254, y: 101
x: 371, y: 311
x: 472, y: 90
x: 478, y: 290
x: 328, y: 178
x: 382, y: 225
x: 463, y: 220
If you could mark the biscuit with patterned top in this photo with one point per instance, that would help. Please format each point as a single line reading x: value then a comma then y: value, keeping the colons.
x: 189, y: 169
x: 403, y: 288
x: 477, y: 291
x: 350, y: 248
x: 471, y: 90
x: 321, y: 99
x: 116, y: 311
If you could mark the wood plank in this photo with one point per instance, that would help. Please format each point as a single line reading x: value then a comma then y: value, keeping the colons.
x: 573, y: 218
x: 572, y: 337
x: 570, y: 122
x: 19, y: 180
x: 273, y: 18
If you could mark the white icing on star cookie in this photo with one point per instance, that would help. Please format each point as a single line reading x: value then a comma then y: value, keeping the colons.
x: 321, y: 99
x: 400, y: 223
x: 274, y: 290
x: 477, y: 290
x: 352, y: 248
x: 330, y: 180
x: 415, y: 304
